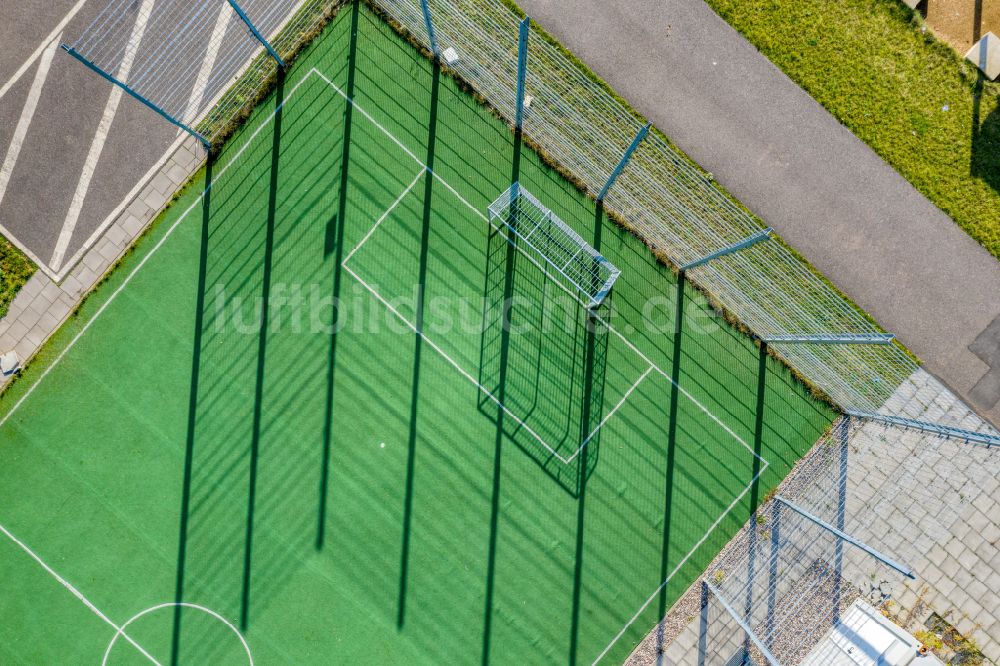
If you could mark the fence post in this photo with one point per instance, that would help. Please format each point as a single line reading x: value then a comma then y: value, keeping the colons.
x: 124, y: 86
x: 749, y: 241
x: 429, y: 24
x: 838, y: 553
x: 522, y: 70
x: 256, y: 33
x: 624, y: 161
x: 772, y: 584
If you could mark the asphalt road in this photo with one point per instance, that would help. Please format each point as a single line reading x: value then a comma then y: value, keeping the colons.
x: 792, y: 163
x: 51, y: 112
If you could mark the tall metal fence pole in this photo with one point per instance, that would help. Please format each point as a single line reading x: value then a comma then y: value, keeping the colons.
x: 256, y: 33
x: 840, y: 534
x: 772, y: 573
x: 128, y: 89
x: 429, y: 24
x: 749, y: 241
x: 522, y: 70
x: 623, y: 162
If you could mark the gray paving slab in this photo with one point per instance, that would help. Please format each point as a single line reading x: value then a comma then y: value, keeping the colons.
x: 956, y: 577
x: 784, y: 156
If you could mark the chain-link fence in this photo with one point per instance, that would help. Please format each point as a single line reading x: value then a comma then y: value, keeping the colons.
x: 199, y: 63
x: 584, y: 130
x: 868, y: 514
x: 205, y: 64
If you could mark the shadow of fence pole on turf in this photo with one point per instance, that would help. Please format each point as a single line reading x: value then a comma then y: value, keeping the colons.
x: 206, y: 206
x: 216, y: 465
x: 334, y: 244
x: 675, y: 370
x: 593, y: 380
x: 265, y: 318
x: 411, y: 445
x: 503, y: 331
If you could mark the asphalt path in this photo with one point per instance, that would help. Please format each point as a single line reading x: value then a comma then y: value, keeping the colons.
x: 821, y: 188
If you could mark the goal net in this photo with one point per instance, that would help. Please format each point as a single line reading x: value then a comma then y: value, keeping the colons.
x: 552, y: 241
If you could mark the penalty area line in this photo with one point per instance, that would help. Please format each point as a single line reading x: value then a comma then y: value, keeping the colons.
x: 611, y: 413
x: 455, y: 364
x: 520, y: 422
x: 652, y: 366
x: 381, y: 219
x: 690, y: 553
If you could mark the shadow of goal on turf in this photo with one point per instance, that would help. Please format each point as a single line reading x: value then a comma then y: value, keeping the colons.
x: 533, y: 359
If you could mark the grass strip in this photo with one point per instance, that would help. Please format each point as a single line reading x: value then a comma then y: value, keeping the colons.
x: 15, y: 270
x: 880, y: 71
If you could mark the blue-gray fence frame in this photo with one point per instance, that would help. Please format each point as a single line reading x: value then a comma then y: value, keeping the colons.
x: 825, y: 338
x: 801, y: 319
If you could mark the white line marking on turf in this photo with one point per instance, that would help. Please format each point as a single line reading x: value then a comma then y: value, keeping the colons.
x: 454, y: 364
x: 386, y: 214
x: 87, y: 326
x: 684, y: 560
x: 412, y: 326
x: 702, y: 407
x: 170, y: 231
x: 612, y: 412
x: 76, y: 593
x: 142, y: 262
x: 53, y: 38
x: 100, y: 137
x: 173, y: 604
x: 482, y: 216
x: 27, y: 113
x: 368, y: 116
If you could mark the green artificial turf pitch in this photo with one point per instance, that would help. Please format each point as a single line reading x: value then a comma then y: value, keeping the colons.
x: 353, y: 491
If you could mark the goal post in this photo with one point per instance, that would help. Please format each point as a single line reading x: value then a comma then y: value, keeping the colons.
x: 554, y: 243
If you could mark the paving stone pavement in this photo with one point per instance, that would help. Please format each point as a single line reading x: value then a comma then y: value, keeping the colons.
x: 931, y: 503
x: 43, y: 305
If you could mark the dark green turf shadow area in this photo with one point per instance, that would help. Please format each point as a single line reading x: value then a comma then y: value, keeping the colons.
x: 284, y: 408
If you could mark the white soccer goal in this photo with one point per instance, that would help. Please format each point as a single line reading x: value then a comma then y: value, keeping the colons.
x: 554, y: 242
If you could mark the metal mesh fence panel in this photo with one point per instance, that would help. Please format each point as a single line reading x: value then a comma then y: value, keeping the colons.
x: 901, y: 492
x: 197, y: 62
x: 789, y: 578
x: 790, y: 581
x: 581, y: 127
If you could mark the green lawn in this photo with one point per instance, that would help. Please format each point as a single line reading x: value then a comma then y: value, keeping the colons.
x: 15, y: 270
x: 352, y: 492
x: 910, y: 97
